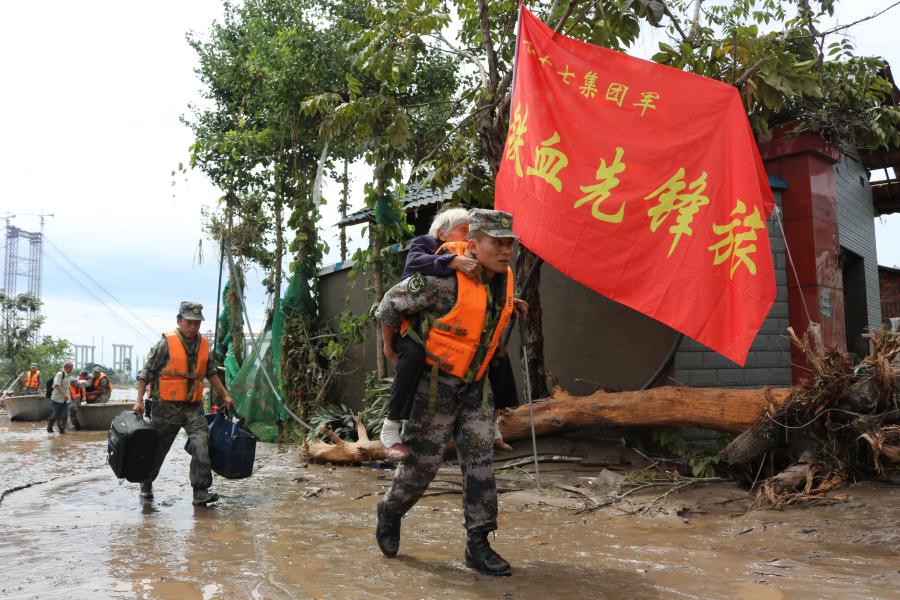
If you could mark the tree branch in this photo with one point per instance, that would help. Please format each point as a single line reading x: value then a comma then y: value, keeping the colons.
x: 740, y: 81
x: 580, y: 16
x: 470, y: 57
x: 493, y: 73
x: 695, y: 21
x: 456, y: 128
x: 565, y: 16
x: 848, y: 25
x: 684, y: 37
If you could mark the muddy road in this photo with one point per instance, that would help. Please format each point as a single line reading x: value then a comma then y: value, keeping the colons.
x: 292, y: 531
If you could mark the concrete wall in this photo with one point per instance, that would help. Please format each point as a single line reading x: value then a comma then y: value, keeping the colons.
x: 769, y: 360
x: 856, y: 226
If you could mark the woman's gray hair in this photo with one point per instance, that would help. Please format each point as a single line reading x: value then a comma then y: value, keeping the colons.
x: 448, y: 219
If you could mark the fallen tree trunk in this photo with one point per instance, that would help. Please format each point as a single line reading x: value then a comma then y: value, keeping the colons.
x: 728, y: 410
x: 721, y: 409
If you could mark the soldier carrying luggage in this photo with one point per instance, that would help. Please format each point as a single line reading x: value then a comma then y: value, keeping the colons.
x: 175, y: 369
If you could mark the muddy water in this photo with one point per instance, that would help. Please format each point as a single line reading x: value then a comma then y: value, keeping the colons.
x: 294, y: 532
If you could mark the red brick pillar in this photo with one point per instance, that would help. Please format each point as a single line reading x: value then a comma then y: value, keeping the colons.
x: 807, y: 162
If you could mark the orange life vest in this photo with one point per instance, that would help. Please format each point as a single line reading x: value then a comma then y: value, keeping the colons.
x: 32, y: 379
x: 454, y: 339
x: 74, y: 391
x: 175, y: 383
x: 95, y: 385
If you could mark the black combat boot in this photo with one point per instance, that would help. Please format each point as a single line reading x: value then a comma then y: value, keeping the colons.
x: 204, y: 497
x: 147, y: 490
x: 481, y: 557
x: 387, y: 533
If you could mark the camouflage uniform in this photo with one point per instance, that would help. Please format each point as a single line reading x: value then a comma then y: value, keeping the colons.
x: 427, y: 434
x: 459, y: 410
x: 169, y: 417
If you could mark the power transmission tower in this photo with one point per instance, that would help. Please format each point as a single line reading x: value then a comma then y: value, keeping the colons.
x: 18, y: 265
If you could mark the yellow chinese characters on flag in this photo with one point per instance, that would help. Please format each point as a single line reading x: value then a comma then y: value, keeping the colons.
x: 642, y: 182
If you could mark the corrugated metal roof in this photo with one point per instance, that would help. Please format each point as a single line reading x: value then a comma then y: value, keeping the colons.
x: 414, y: 197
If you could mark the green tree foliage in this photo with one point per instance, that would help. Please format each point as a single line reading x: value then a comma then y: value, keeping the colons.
x: 17, y: 346
x: 21, y: 323
x: 787, y: 68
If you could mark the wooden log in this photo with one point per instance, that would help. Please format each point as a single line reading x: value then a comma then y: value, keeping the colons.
x: 731, y: 410
x: 721, y: 409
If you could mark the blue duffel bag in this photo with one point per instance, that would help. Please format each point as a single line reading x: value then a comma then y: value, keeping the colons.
x: 232, y: 449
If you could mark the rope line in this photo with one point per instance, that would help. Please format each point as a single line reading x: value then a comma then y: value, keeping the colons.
x: 790, y: 258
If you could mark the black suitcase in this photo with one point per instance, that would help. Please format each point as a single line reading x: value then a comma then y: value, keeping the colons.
x: 131, y: 447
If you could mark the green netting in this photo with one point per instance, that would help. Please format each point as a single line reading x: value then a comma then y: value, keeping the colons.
x: 224, y: 350
x: 385, y: 213
x: 253, y: 397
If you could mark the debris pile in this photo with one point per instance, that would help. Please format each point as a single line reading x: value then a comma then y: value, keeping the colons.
x: 839, y: 426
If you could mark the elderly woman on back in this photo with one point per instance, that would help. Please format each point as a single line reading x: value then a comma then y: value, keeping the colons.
x: 451, y: 225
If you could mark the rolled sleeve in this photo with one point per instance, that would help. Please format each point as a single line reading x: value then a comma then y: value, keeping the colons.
x: 211, y: 368
x: 156, y: 360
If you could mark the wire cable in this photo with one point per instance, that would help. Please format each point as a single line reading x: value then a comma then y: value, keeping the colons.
x: 98, y: 299
x: 103, y: 289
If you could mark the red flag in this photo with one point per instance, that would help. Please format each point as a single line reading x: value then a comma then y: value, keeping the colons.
x: 642, y: 182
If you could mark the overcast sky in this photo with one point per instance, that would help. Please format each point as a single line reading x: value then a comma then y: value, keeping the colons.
x: 92, y: 95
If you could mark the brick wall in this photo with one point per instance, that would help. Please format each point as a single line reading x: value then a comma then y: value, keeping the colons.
x: 769, y: 361
x: 889, y: 283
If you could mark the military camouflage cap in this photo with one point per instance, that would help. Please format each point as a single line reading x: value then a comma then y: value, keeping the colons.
x: 192, y: 311
x: 494, y: 223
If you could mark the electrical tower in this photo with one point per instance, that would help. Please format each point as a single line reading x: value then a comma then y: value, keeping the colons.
x: 27, y: 265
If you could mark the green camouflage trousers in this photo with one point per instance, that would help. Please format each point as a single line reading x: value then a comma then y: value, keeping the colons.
x: 427, y: 434
x: 167, y: 419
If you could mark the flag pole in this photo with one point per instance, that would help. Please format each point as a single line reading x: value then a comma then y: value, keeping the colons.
x: 522, y: 338
x: 537, y: 472
x: 515, y: 67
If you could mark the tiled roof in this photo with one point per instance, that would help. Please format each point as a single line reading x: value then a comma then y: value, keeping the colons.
x: 415, y: 197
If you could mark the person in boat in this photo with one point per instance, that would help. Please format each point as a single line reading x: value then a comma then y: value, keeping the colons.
x: 101, y: 388
x: 460, y: 322
x: 31, y: 380
x: 175, y: 369
x: 60, y: 397
x: 408, y: 355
